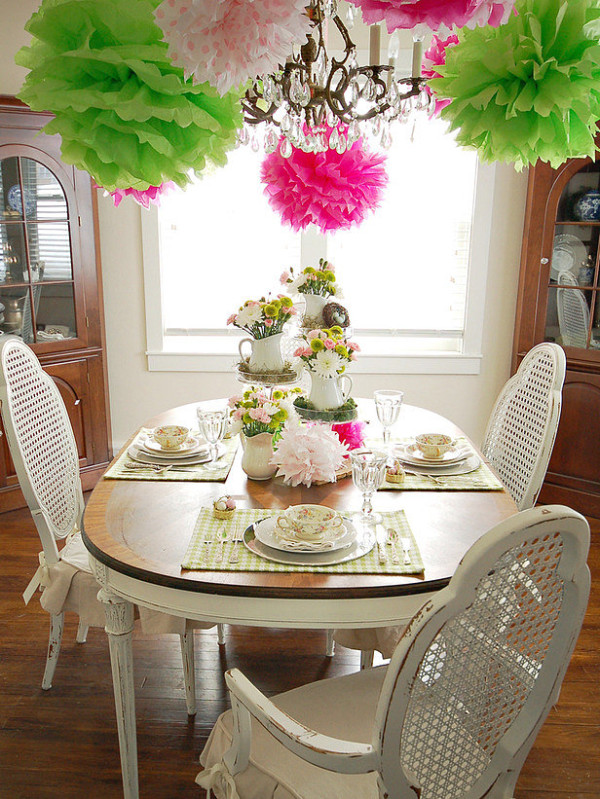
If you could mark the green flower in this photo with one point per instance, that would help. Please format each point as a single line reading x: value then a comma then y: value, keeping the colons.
x: 278, y: 394
x: 328, y: 275
x: 310, y: 271
x: 317, y: 345
x: 341, y: 350
x: 276, y: 303
x: 336, y: 331
x: 286, y: 302
x: 280, y: 416
x: 271, y: 310
x: 247, y: 419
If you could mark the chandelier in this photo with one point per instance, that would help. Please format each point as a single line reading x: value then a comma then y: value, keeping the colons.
x: 317, y: 103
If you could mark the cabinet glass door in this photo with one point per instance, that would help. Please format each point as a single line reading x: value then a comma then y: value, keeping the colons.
x: 573, y: 310
x: 37, y: 300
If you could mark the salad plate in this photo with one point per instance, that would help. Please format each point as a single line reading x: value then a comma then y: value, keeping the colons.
x: 464, y: 467
x: 266, y: 533
x: 189, y: 447
x: 412, y: 454
x: 142, y: 456
x: 361, y: 546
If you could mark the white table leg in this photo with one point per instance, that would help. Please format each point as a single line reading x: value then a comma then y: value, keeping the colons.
x: 119, y: 626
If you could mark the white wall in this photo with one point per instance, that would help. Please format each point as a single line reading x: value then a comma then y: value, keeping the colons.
x: 137, y: 393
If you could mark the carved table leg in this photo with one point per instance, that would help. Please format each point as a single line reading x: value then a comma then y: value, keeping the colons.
x: 119, y: 626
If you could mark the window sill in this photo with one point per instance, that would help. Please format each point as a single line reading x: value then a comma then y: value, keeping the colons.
x: 425, y: 364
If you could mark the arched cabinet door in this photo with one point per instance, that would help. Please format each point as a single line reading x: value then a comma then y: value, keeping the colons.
x: 559, y: 300
x: 50, y: 285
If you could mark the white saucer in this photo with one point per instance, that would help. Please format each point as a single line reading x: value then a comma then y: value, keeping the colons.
x: 202, y: 456
x: 361, y: 546
x: 464, y: 467
x: 265, y: 533
x: 189, y: 447
x: 412, y: 454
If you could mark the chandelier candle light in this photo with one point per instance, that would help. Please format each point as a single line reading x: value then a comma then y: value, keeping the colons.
x: 317, y: 102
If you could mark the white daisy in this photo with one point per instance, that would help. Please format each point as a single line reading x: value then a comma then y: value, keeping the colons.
x: 248, y: 316
x: 326, y: 363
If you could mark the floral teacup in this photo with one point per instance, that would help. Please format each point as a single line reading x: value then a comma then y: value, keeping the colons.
x: 309, y: 522
x: 171, y: 436
x: 434, y: 445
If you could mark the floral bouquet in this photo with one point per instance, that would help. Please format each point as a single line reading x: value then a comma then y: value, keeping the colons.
x: 319, y: 281
x: 326, y: 351
x: 254, y: 412
x: 265, y: 317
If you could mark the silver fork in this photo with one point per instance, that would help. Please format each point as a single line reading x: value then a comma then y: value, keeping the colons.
x: 233, y: 551
x: 392, y: 541
x: 426, y: 474
x: 152, y: 467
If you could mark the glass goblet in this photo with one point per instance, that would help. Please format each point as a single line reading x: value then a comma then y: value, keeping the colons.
x: 213, y: 426
x: 368, y: 472
x: 388, y: 403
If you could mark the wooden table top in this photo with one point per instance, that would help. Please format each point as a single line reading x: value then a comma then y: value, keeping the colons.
x: 142, y: 528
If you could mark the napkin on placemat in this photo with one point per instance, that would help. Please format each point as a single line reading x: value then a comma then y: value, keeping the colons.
x: 215, y: 555
x: 200, y: 471
x: 481, y: 479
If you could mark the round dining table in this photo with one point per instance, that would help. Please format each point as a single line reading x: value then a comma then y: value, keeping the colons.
x: 137, y: 533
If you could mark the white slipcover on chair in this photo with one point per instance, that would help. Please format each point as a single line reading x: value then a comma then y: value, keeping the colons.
x: 456, y: 711
x: 518, y: 444
x: 44, y: 452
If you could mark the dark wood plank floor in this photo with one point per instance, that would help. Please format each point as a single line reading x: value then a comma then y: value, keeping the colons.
x: 62, y: 744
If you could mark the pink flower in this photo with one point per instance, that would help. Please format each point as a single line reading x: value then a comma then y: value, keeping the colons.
x: 231, y: 319
x: 259, y: 415
x: 268, y: 322
x: 233, y: 401
x: 284, y: 278
x: 313, y: 334
x: 237, y: 415
x: 307, y: 352
x: 292, y: 311
x: 353, y: 356
x: 322, y: 334
x: 298, y: 353
x: 329, y: 343
x: 352, y: 345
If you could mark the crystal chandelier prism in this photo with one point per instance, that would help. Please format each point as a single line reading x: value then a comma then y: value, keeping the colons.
x: 317, y: 102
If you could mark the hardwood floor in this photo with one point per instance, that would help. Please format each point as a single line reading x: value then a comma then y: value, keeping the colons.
x: 62, y: 743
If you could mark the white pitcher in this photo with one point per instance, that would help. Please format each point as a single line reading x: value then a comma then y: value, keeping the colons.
x: 326, y: 393
x: 314, y: 309
x: 258, y: 451
x: 265, y: 354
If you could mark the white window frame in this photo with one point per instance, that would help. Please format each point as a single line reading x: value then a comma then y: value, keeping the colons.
x: 217, y: 353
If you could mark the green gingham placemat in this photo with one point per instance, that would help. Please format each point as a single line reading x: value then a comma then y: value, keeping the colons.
x: 118, y: 470
x: 201, y: 555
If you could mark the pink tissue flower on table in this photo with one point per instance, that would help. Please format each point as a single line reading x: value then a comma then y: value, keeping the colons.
x: 434, y: 57
x: 306, y: 454
x: 352, y: 434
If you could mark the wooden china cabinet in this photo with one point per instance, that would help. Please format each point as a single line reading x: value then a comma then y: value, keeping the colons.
x: 559, y: 300
x: 50, y: 283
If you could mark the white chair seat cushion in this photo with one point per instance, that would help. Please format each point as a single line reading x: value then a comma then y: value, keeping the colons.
x: 382, y: 639
x: 343, y: 707
x: 72, y: 587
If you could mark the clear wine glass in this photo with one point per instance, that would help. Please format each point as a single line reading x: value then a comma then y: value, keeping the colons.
x: 388, y: 403
x: 213, y: 426
x: 368, y: 472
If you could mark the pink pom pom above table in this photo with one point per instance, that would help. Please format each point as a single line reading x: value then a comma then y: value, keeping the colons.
x: 331, y: 190
x: 435, y: 14
x: 434, y: 57
x: 145, y: 197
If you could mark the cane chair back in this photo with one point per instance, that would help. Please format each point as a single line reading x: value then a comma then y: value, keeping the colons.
x: 42, y: 444
x: 573, y: 313
x: 480, y: 666
x: 522, y: 426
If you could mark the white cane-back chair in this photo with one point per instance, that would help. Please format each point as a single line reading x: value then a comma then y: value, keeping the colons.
x: 456, y: 711
x: 522, y: 426
x: 44, y: 452
x: 573, y: 312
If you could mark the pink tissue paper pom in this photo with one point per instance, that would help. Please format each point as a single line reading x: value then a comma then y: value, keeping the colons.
x: 306, y: 454
x: 225, y: 43
x: 435, y: 14
x: 144, y: 197
x: 330, y: 190
x: 352, y: 434
x: 435, y: 56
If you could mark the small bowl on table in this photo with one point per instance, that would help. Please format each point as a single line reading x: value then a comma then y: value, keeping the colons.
x: 434, y: 446
x: 171, y: 436
x: 309, y: 523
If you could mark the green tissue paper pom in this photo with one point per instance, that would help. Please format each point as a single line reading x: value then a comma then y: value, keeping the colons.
x: 529, y: 89
x: 125, y: 114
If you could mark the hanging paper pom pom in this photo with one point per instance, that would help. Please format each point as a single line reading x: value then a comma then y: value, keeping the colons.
x: 352, y: 434
x: 331, y: 190
x: 226, y: 43
x: 124, y: 112
x: 147, y: 197
x: 529, y: 90
x: 435, y: 14
x: 434, y: 57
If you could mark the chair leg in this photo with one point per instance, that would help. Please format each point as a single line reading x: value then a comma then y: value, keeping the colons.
x: 82, y: 631
x: 330, y: 646
x: 56, y: 631
x: 189, y: 674
x: 221, y: 634
x: 366, y: 658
